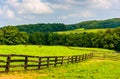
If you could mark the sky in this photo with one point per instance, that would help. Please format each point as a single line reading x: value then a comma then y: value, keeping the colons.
x: 16, y: 12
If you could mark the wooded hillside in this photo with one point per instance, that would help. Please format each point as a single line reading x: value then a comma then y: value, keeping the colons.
x: 41, y: 27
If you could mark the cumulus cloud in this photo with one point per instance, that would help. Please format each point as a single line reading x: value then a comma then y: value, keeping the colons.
x: 23, y: 11
x: 83, y: 14
x: 30, y: 6
x: 101, y: 4
x: 13, y: 2
x: 34, y: 6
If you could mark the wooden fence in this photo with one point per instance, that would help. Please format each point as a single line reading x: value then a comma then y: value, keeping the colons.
x: 25, y: 62
x: 107, y: 56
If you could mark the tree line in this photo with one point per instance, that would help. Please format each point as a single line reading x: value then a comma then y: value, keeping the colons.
x: 109, y: 39
x: 42, y: 27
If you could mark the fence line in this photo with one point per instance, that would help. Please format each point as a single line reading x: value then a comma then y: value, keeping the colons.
x: 107, y: 56
x: 38, y: 62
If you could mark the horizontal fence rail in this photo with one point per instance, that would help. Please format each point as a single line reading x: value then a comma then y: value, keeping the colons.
x: 107, y: 56
x: 26, y: 62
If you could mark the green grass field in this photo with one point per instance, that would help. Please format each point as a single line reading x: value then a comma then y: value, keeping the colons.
x: 90, y: 69
x: 82, y: 31
x: 48, y: 50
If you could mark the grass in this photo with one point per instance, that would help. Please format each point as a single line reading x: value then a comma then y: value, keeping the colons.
x: 91, y: 69
x: 82, y: 30
x: 47, y: 50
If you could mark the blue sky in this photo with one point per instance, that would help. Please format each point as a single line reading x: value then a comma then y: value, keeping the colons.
x: 14, y: 12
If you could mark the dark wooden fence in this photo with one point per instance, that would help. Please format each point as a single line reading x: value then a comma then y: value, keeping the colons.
x: 8, y: 62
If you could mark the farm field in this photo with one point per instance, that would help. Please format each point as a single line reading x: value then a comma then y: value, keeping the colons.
x: 35, y: 50
x: 82, y: 30
x: 91, y: 69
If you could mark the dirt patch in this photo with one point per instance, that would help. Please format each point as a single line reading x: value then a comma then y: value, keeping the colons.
x: 17, y: 75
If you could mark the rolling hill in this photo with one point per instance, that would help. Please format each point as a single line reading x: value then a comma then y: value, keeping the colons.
x: 55, y: 27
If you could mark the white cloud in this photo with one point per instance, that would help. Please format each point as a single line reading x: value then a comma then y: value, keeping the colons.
x: 83, y: 14
x: 34, y: 6
x: 1, y: 12
x: 29, y: 6
x: 77, y: 2
x: 13, y: 2
x: 104, y: 4
x: 6, y: 12
x: 59, y: 6
x: 10, y: 13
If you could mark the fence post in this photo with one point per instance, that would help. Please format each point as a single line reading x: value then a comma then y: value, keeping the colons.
x: 39, y: 63
x: 55, y: 61
x: 48, y: 61
x: 75, y: 59
x: 92, y: 55
x: 8, y: 63
x: 26, y: 62
x: 85, y: 56
x: 62, y: 60
x: 72, y: 60
x: 68, y: 59
x: 79, y: 58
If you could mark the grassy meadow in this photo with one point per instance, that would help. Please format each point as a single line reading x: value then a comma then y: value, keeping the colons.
x: 90, y: 69
x: 82, y: 30
x: 36, y: 50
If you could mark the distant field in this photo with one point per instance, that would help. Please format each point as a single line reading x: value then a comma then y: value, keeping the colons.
x: 82, y: 31
x: 47, y: 50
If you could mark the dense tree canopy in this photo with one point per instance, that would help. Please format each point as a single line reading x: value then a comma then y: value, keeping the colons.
x: 109, y: 39
x: 31, y: 28
x: 10, y: 35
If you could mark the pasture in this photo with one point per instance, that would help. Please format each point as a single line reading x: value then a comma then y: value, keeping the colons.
x: 90, y: 69
x: 82, y: 30
x: 36, y: 50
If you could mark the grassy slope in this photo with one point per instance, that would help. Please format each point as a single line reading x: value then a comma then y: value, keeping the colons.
x: 82, y: 30
x: 47, y: 50
x: 91, y: 69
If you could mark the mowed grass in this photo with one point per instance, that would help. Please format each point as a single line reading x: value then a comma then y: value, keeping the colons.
x: 35, y: 50
x: 82, y: 30
x: 91, y: 69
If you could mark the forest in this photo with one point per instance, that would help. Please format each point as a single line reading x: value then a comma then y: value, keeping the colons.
x: 109, y: 39
x: 54, y: 27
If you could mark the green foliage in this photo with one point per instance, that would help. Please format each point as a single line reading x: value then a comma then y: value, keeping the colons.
x: 109, y: 39
x: 10, y: 35
x: 55, y: 27
x: 31, y: 28
x: 37, y: 38
x: 109, y: 23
